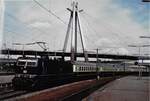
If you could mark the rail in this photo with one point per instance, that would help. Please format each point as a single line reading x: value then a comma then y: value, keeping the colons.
x: 10, y: 94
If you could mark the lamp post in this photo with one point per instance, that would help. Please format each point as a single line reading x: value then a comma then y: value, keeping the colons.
x: 139, y: 46
x: 97, y: 63
x: 146, y: 37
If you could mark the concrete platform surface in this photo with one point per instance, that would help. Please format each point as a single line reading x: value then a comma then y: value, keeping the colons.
x: 128, y: 88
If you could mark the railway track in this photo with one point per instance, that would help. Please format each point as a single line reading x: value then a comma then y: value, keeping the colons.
x: 69, y: 92
x: 5, y: 85
x: 6, y: 91
x: 10, y: 94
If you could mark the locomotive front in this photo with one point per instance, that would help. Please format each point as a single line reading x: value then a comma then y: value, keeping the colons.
x: 26, y: 72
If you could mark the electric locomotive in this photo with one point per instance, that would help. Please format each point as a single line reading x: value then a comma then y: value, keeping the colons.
x: 39, y: 73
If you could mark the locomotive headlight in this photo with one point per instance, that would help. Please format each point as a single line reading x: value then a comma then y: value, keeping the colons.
x: 24, y: 71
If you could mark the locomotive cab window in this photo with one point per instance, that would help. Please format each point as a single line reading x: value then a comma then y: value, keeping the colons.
x: 23, y: 62
x: 31, y: 63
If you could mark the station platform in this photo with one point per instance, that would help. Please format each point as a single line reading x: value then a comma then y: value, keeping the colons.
x: 130, y: 88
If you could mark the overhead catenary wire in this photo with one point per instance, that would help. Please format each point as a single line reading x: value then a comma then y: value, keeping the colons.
x: 28, y: 26
x: 7, y: 30
x: 66, y: 24
x: 106, y: 26
x: 94, y: 29
x: 89, y: 27
x: 10, y: 38
x: 44, y: 46
x: 11, y: 31
x: 32, y: 29
x: 50, y: 12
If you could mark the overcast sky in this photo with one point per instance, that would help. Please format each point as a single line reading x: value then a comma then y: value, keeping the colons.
x: 105, y: 23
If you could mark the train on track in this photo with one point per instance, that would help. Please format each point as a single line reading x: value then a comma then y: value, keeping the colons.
x: 36, y: 73
x: 39, y: 73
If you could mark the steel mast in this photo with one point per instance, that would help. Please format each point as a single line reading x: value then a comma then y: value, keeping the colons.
x: 74, y: 28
